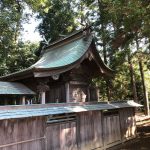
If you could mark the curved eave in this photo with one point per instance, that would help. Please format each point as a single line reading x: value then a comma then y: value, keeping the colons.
x: 104, y: 69
x: 18, y: 75
x: 61, y: 58
x: 44, y: 72
x: 56, y: 60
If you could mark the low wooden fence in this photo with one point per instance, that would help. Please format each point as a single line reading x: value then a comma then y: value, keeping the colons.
x: 79, y: 131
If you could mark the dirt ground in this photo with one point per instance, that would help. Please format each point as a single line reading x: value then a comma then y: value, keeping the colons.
x: 143, y: 140
x: 142, y: 143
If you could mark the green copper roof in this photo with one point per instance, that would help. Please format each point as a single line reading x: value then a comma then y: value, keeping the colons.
x: 62, y: 56
x: 14, y: 88
x: 65, y: 54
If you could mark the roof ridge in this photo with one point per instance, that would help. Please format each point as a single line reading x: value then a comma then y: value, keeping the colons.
x: 68, y: 36
x: 62, y: 44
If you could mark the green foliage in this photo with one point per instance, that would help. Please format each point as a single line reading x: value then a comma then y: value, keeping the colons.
x: 57, y: 21
x: 9, y: 18
x: 120, y: 26
x: 23, y: 57
x: 20, y: 58
x: 13, y: 56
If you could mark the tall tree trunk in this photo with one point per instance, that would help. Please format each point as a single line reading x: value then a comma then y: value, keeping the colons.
x: 146, y: 102
x: 133, y: 83
x: 101, y: 11
x: 18, y: 22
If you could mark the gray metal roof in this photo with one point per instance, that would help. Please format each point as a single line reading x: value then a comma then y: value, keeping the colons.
x: 14, y: 88
x: 23, y: 113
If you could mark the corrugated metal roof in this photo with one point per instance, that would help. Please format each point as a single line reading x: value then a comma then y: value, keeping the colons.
x: 14, y: 88
x: 23, y: 113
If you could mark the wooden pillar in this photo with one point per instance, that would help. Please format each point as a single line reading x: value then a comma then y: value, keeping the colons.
x: 23, y: 100
x: 42, y: 88
x: 43, y: 97
x: 67, y: 92
x: 14, y: 102
x: 97, y: 93
x: 88, y: 94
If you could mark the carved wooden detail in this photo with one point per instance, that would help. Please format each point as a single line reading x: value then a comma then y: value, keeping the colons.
x: 42, y: 86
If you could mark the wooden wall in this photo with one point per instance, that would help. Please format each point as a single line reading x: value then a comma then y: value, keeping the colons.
x: 86, y: 131
x: 90, y: 130
x: 61, y: 136
x: 22, y: 134
x: 56, y: 94
x: 128, y: 123
x: 111, y: 129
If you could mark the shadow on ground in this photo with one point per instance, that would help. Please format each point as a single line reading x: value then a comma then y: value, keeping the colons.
x: 142, y: 143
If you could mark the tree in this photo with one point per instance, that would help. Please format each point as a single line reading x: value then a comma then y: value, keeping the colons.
x: 57, y: 22
x: 22, y: 57
x: 120, y: 28
x: 12, y: 16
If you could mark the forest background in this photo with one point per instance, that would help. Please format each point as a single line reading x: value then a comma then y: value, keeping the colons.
x: 122, y: 36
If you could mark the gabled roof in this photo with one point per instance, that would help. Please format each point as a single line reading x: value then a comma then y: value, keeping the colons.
x: 11, y: 88
x: 64, y: 55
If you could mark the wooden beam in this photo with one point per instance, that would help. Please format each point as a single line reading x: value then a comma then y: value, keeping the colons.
x: 67, y: 92
x: 78, y: 83
x: 42, y: 88
x: 23, y: 100
x: 97, y: 92
x: 42, y: 97
x: 88, y: 93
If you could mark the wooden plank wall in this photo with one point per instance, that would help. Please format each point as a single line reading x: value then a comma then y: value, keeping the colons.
x: 22, y: 134
x: 128, y: 123
x: 111, y: 130
x: 56, y: 94
x: 61, y: 136
x: 90, y: 130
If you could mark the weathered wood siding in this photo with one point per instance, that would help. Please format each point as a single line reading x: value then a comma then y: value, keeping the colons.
x: 22, y: 134
x: 128, y: 123
x: 61, y: 136
x: 85, y: 131
x: 90, y: 130
x: 93, y: 94
x: 111, y: 129
x: 56, y: 94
